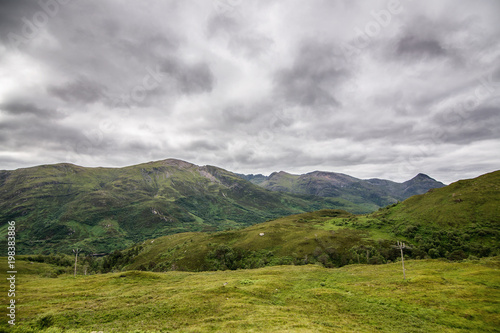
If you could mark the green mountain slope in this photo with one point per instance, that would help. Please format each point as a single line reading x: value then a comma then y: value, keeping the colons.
x: 461, y: 204
x: 59, y: 207
x: 377, y: 192
x: 461, y: 218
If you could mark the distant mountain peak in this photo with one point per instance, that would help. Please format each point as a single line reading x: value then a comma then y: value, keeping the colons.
x: 280, y: 173
x: 423, y: 177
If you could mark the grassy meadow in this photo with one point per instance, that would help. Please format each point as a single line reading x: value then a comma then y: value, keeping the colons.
x: 437, y: 296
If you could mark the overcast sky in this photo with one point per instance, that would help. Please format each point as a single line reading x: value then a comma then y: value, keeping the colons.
x: 382, y: 89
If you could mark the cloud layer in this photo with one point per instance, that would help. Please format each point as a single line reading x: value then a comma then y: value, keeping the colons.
x: 382, y: 89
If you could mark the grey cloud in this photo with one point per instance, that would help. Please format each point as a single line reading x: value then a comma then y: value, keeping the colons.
x: 234, y: 115
x: 23, y: 133
x: 264, y: 118
x: 241, y: 38
x: 189, y: 79
x: 206, y: 145
x: 195, y: 79
x: 141, y: 146
x: 251, y: 44
x: 13, y: 15
x: 221, y: 24
x: 10, y: 163
x: 82, y: 90
x: 456, y: 39
x: 415, y: 47
x: 107, y: 54
x: 261, y: 92
x: 465, y: 127
x: 400, y: 132
x: 299, y: 158
x: 315, y: 74
x: 21, y: 108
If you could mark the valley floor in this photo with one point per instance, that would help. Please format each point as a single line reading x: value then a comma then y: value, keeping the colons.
x: 437, y: 296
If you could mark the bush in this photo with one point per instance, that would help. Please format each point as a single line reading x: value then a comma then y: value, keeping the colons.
x: 433, y: 253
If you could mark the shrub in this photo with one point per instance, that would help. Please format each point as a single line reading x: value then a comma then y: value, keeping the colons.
x: 433, y: 253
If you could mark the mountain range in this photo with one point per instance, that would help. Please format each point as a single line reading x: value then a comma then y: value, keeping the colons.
x: 376, y: 192
x: 63, y: 206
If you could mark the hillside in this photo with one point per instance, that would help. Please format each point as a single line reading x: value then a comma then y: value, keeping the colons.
x: 462, y: 217
x: 436, y: 297
x: 460, y: 204
x: 377, y: 192
x: 454, y: 222
x: 297, y: 239
x: 63, y: 206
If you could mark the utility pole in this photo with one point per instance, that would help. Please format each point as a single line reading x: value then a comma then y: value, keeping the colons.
x: 76, y: 256
x: 401, y: 246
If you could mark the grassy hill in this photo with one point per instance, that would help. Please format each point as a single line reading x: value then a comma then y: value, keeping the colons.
x: 297, y: 239
x: 63, y: 206
x: 463, y: 217
x: 436, y: 297
x: 461, y: 204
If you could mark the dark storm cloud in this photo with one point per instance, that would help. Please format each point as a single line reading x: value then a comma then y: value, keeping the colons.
x: 316, y: 72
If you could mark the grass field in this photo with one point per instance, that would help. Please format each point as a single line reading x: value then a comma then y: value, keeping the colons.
x: 437, y: 296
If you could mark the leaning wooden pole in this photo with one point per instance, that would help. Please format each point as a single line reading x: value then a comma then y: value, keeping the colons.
x: 401, y: 247
x: 76, y: 257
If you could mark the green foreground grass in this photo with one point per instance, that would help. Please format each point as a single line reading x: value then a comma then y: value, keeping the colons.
x: 437, y: 296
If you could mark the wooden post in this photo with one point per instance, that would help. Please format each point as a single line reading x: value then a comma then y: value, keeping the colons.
x: 401, y: 246
x: 76, y: 257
